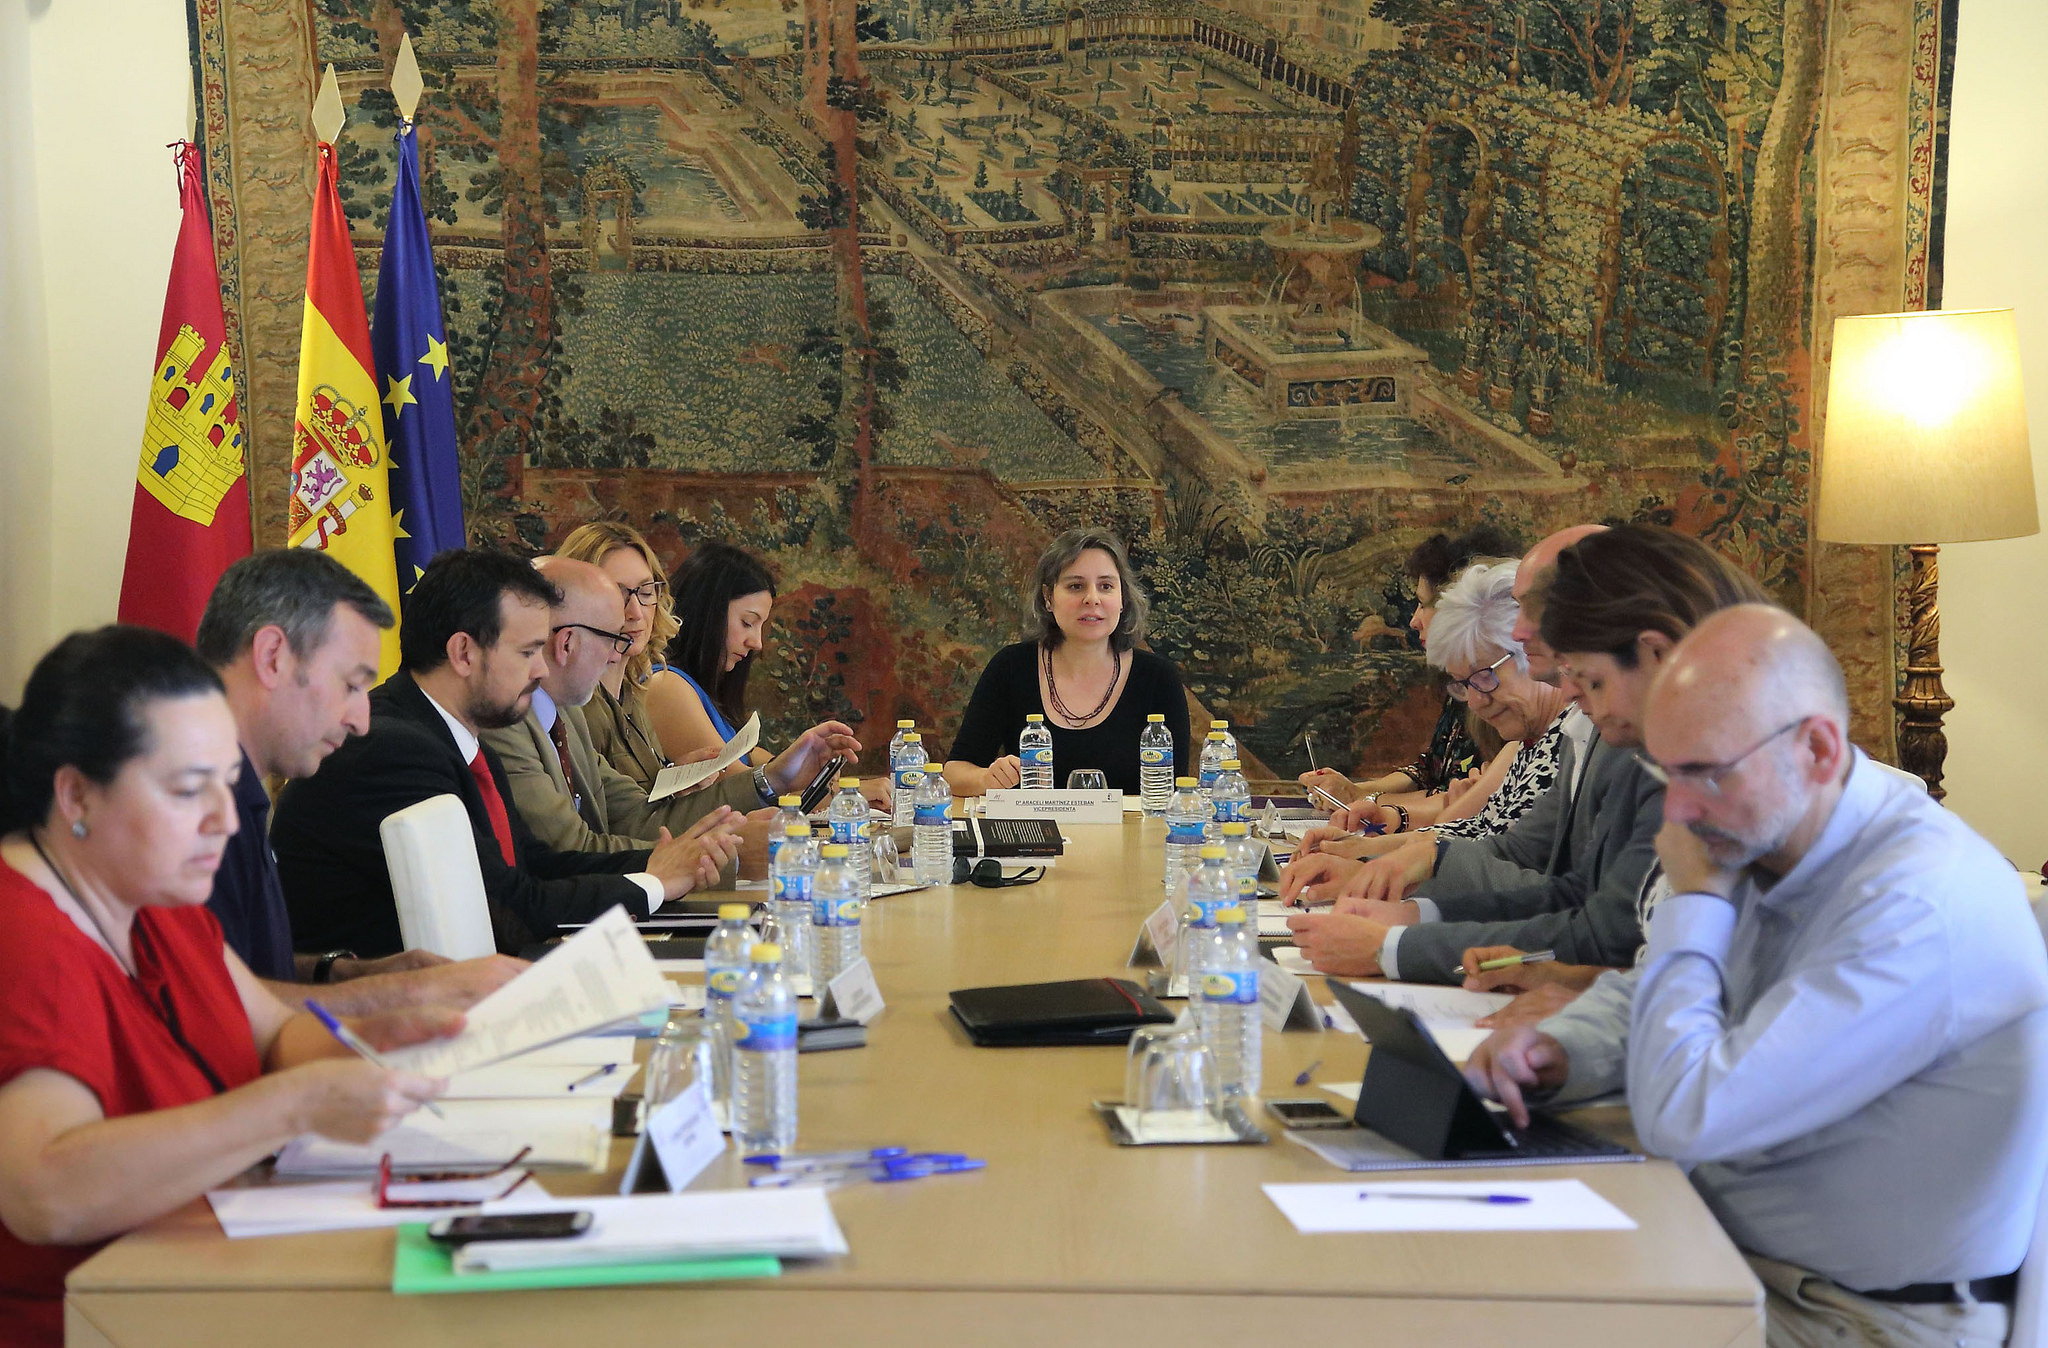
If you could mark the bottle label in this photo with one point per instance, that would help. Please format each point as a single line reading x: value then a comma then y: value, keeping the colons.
x: 1240, y: 988
x: 1183, y: 835
x: 1208, y: 777
x: 928, y: 815
x: 1229, y: 811
x: 1153, y: 758
x: 835, y: 911
x: 1247, y: 891
x: 908, y: 780
x: 792, y: 889
x: 767, y: 1034
x: 1036, y: 757
x: 721, y: 982
x: 849, y: 832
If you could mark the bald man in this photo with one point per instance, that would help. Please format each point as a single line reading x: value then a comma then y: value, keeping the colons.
x: 569, y: 796
x: 1841, y: 1024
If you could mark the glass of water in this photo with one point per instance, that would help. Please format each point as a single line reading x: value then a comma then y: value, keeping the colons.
x: 1087, y: 779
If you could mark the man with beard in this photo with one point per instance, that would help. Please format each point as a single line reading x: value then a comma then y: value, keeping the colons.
x: 470, y: 657
x: 1838, y: 1027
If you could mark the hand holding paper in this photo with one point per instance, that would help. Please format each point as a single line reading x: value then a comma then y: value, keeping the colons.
x: 679, y: 777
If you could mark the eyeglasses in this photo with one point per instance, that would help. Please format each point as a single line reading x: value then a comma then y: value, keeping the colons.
x: 1480, y: 680
x: 987, y: 873
x: 619, y: 640
x: 1706, y: 777
x: 647, y: 596
x: 433, y: 1198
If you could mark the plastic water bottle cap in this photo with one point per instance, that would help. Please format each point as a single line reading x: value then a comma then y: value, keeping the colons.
x: 1212, y: 853
x: 905, y: 725
x: 1184, y: 781
x: 1216, y: 737
x: 797, y: 831
x: 766, y: 952
x: 1157, y: 718
x: 1219, y: 725
x: 1231, y: 765
x: 1231, y: 914
x: 834, y: 851
x: 734, y: 912
x: 1236, y: 829
x: 913, y: 738
x: 789, y: 802
x: 849, y: 782
x: 1033, y: 718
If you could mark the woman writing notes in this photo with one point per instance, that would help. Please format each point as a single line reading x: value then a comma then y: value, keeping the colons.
x: 1081, y: 669
x: 141, y: 1063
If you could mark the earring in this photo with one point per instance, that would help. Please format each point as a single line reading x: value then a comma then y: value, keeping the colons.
x: 78, y: 828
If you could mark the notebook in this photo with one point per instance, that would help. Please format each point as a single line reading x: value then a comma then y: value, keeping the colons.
x: 1081, y: 1011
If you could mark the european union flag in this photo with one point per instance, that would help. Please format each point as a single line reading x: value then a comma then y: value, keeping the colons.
x: 410, y: 344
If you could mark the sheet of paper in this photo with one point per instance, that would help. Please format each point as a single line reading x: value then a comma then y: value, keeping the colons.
x: 794, y: 1223
x: 1553, y: 1205
x: 678, y: 777
x: 567, y: 1134
x: 1291, y: 959
x: 1446, y: 1013
x: 1273, y: 916
x: 1174, y: 1125
x: 336, y: 1205
x: 1343, y: 1090
x: 600, y: 975
x: 686, y: 996
x: 590, y: 1050
x: 521, y: 1080
x: 679, y: 966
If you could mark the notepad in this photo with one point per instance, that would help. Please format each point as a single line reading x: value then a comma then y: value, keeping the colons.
x: 793, y: 1223
x: 418, y: 1264
x: 1553, y: 1205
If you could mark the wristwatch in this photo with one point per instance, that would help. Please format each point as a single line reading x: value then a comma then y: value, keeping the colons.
x: 762, y: 787
x: 323, y: 972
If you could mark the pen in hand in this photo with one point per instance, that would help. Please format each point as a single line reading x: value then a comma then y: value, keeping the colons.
x: 353, y: 1042
x: 1508, y: 962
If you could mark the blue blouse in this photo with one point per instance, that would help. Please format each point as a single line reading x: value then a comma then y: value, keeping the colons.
x: 724, y: 727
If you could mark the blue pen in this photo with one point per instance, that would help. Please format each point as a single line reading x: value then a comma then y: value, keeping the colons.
x: 1450, y: 1198
x: 898, y: 1160
x: 825, y: 1157
x: 597, y: 1075
x: 887, y: 1172
x: 353, y: 1042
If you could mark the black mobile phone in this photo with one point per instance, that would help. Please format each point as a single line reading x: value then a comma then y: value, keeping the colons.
x: 821, y: 785
x: 509, y: 1226
x: 1308, y: 1114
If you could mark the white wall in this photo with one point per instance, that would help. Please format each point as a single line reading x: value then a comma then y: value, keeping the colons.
x: 1994, y: 596
x: 93, y: 90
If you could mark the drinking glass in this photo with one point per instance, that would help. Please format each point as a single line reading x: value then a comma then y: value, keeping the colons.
x: 1170, y: 1073
x: 1087, y: 779
x: 680, y: 1056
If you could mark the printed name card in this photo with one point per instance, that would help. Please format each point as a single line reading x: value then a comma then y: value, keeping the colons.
x: 678, y: 1140
x: 854, y: 995
x: 1284, y: 1002
x: 1155, y: 938
x: 1069, y: 807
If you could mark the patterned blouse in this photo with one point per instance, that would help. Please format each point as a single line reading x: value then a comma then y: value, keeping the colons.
x: 1533, y: 771
x: 1451, y: 753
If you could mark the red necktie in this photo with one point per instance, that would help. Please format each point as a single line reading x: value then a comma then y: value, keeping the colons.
x: 562, y: 753
x: 494, y: 805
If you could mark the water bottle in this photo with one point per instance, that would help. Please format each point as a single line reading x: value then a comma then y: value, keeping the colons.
x: 1211, y: 889
x: 1223, y: 989
x: 904, y: 730
x: 764, y: 1063
x: 1230, y: 799
x: 835, y: 918
x: 908, y: 763
x: 1244, y: 854
x: 1186, y: 814
x: 1034, y: 754
x: 725, y: 963
x: 931, y: 846
x: 1229, y: 740
x: 790, y: 876
x: 1155, y: 764
x: 792, y: 812
x: 1211, y: 766
x: 849, y: 819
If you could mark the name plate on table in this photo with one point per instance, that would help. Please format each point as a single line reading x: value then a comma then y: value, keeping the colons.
x: 1069, y: 807
x: 678, y: 1140
x: 854, y: 995
x: 1284, y: 1002
x: 1154, y: 945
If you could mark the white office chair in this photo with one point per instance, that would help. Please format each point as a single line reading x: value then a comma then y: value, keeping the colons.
x: 431, y: 851
x: 2030, y: 1303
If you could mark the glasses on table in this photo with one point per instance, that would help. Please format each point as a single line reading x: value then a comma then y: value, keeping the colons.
x: 1706, y: 777
x: 619, y: 640
x: 1087, y: 779
x: 434, y: 1177
x: 1478, y: 681
x: 646, y: 596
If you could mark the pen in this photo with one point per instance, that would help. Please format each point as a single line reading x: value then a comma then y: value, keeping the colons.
x: 599, y: 1073
x: 1303, y: 1077
x: 781, y: 1160
x: 1308, y: 742
x: 1335, y: 803
x: 1450, y: 1198
x: 1510, y: 961
x: 885, y: 1172
x: 353, y: 1042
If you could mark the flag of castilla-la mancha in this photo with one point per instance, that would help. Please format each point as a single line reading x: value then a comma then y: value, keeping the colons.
x: 190, y: 519
x: 341, y: 496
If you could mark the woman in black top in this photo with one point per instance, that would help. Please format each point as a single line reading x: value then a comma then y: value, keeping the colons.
x: 1080, y: 669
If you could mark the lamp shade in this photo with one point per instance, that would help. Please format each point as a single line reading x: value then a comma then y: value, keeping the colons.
x: 1926, y: 436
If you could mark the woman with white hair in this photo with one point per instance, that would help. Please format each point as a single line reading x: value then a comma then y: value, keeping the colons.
x: 1472, y: 640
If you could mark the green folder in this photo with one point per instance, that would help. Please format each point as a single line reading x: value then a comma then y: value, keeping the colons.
x: 420, y: 1265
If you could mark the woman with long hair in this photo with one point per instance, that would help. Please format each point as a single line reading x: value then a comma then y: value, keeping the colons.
x: 621, y: 728
x: 722, y: 598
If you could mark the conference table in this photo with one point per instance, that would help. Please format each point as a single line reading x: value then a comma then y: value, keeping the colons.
x: 1065, y: 1238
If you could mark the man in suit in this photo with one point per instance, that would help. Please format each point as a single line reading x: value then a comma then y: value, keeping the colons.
x: 294, y: 636
x: 570, y: 797
x: 470, y: 658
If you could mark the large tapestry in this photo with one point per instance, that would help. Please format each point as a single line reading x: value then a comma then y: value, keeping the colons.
x: 893, y: 292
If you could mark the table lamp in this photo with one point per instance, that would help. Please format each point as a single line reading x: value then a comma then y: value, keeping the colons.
x: 1925, y: 443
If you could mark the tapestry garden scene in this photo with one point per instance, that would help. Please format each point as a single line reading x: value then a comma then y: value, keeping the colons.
x: 892, y: 293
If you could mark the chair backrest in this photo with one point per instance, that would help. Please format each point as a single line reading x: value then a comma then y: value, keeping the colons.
x: 430, y: 849
x: 2030, y: 1304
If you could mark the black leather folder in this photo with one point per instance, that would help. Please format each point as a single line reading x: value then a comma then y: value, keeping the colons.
x: 1036, y: 1015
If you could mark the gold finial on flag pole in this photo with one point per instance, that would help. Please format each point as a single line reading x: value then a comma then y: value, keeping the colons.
x: 328, y: 116
x: 406, y: 84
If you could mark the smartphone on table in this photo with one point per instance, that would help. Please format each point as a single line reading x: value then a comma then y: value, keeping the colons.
x: 1308, y: 1113
x: 509, y: 1226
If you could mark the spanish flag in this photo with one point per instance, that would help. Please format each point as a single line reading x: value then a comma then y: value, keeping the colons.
x: 341, y: 494
x: 190, y: 520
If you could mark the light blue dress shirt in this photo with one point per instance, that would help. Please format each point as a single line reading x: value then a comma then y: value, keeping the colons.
x: 1852, y: 1062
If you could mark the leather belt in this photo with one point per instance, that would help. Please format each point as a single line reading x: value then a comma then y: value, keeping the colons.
x: 2000, y: 1288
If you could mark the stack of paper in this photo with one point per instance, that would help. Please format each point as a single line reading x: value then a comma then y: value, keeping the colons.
x: 794, y: 1223
x: 571, y: 1134
x: 1447, y: 1013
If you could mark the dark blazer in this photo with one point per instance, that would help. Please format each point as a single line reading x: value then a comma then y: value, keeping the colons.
x: 331, y: 858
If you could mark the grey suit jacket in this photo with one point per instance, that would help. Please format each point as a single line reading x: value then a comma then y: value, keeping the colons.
x: 1565, y: 876
x: 607, y: 811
